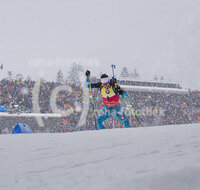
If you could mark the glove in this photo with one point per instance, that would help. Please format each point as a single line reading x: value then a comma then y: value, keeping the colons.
x: 87, y: 73
x: 125, y: 95
x: 113, y: 81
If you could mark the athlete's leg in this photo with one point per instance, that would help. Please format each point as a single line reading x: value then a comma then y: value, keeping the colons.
x: 103, y: 115
x: 121, y: 116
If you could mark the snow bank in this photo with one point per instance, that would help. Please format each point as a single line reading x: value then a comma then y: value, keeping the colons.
x: 150, y: 158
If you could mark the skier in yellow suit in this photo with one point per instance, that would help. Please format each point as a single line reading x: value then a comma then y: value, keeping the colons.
x: 110, y: 93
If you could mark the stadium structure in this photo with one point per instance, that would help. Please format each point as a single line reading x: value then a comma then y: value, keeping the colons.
x: 180, y: 105
x: 147, y: 85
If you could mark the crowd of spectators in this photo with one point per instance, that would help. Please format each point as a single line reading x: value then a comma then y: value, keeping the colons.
x: 151, y: 108
x: 176, y: 108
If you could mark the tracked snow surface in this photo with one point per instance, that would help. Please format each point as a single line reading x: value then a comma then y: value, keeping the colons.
x: 149, y: 158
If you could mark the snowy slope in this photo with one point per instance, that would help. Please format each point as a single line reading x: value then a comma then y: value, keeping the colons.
x: 153, y: 158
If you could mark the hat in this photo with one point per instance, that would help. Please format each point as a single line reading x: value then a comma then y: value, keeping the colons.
x: 104, y: 78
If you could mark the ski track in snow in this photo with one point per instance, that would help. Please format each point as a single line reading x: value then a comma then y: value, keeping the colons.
x: 149, y: 158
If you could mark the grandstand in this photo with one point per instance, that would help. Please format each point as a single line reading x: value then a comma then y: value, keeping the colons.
x: 178, y: 105
x: 144, y: 85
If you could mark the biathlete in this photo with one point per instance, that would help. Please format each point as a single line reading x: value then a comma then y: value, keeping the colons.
x: 110, y: 92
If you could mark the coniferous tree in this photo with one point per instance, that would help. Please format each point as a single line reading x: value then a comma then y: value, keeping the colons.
x: 155, y: 77
x: 135, y: 74
x: 124, y: 72
x: 73, y: 75
x: 60, y: 78
x: 28, y: 78
x: 19, y: 76
x: 10, y: 77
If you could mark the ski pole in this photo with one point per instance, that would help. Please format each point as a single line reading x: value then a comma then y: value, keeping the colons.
x: 129, y: 107
x: 92, y: 100
x: 134, y: 115
x: 113, y: 67
x: 114, y: 80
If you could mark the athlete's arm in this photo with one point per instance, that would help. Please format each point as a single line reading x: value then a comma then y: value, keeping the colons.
x: 121, y: 92
x: 118, y: 89
x: 96, y: 85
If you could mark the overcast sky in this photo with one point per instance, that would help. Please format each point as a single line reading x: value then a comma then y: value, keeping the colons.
x: 153, y: 36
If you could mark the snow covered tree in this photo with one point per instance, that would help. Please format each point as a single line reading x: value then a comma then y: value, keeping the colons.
x: 10, y: 75
x: 60, y: 78
x: 161, y: 78
x: 73, y: 75
x: 155, y: 77
x: 124, y: 72
x: 19, y: 76
x: 134, y: 74
x: 28, y: 78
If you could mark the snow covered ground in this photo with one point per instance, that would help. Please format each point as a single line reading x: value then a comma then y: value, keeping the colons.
x: 149, y: 158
